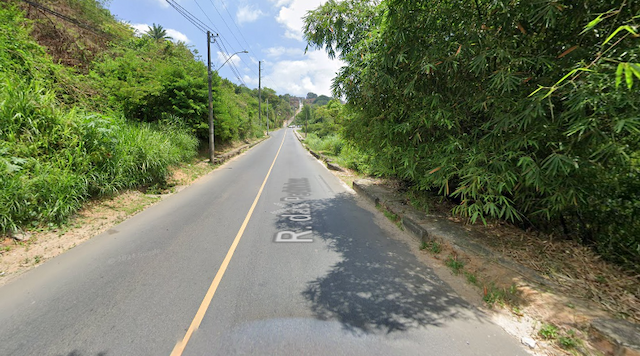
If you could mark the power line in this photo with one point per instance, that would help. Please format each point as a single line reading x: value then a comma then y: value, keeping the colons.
x: 225, y: 22
x: 237, y: 27
x: 231, y: 31
x: 207, y: 16
x: 189, y: 16
x: 234, y: 69
x: 225, y: 50
x: 204, y: 28
x: 69, y: 19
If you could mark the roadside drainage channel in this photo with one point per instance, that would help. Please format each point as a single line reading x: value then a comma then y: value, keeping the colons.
x: 611, y: 336
x: 327, y: 161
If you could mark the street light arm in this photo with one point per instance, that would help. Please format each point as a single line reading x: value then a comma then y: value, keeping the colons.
x: 225, y: 62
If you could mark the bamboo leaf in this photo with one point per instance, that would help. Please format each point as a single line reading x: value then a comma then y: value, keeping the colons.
x: 635, y: 68
x: 628, y: 77
x: 621, y: 28
x: 593, y: 23
x: 619, y: 72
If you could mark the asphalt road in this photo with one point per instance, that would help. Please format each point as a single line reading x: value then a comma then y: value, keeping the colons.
x: 309, y: 272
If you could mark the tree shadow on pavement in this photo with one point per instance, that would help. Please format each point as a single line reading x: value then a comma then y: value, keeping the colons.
x: 378, y: 285
x: 79, y: 353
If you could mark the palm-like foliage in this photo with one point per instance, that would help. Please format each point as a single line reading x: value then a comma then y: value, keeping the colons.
x: 157, y: 32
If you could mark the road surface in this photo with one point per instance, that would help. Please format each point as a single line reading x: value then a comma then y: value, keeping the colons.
x: 269, y: 254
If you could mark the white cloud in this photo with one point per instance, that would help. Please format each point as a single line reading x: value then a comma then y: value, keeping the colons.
x: 175, y: 35
x: 140, y: 28
x: 291, y: 14
x: 250, y: 81
x: 248, y: 14
x: 277, y: 52
x: 314, y: 73
x: 162, y: 3
x: 222, y: 58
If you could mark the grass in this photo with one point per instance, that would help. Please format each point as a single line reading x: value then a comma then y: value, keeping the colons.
x: 471, y: 278
x: 48, y: 177
x: 454, y: 264
x: 393, y: 217
x: 569, y: 341
x: 548, y: 332
x: 139, y: 204
x: 502, y: 296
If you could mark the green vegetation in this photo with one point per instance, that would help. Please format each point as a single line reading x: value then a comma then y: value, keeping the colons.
x: 432, y: 246
x: 393, y: 217
x: 503, y: 296
x: 321, y: 121
x: 454, y: 263
x: 85, y: 114
x: 522, y: 111
x: 567, y: 340
x: 471, y: 278
x: 570, y: 341
x: 548, y: 332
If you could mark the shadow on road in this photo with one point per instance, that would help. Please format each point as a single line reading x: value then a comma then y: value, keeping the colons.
x: 79, y: 353
x: 379, y: 285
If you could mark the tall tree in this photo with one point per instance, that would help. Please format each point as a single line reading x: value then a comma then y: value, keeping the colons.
x: 157, y: 32
x: 440, y: 94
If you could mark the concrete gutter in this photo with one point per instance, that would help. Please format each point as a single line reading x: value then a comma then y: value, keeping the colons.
x: 328, y: 161
x: 613, y: 336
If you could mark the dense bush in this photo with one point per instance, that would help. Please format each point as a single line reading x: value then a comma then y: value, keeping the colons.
x: 53, y: 157
x: 52, y: 160
x: 329, y: 144
x: 116, y: 117
x: 440, y: 94
x: 145, y: 79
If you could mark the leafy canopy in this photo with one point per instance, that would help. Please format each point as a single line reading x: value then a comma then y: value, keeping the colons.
x: 513, y: 109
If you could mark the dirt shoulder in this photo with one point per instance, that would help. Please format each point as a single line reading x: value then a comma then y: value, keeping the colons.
x: 96, y: 217
x: 552, y: 293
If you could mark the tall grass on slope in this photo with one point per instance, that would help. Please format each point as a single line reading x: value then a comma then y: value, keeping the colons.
x: 52, y: 160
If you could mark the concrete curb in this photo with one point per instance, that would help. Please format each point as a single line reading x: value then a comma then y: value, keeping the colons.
x: 618, y: 337
x: 430, y: 228
x: 328, y: 161
x: 226, y: 156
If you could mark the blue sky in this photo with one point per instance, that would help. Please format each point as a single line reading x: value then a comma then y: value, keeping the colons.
x: 271, y: 30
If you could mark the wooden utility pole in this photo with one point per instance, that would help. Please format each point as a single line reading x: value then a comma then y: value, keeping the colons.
x: 211, y: 130
x: 267, y: 116
x: 260, y: 92
x: 306, y: 124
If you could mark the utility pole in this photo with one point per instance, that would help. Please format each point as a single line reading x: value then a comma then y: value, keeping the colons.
x: 260, y: 92
x: 211, y: 131
x: 306, y: 124
x: 267, y: 116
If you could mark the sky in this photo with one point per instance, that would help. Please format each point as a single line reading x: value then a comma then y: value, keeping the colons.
x: 270, y: 30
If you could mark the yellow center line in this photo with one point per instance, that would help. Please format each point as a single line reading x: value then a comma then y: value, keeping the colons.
x: 195, y: 324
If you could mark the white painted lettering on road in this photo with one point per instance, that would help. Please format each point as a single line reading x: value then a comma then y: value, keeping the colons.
x: 295, y: 212
x: 290, y: 236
